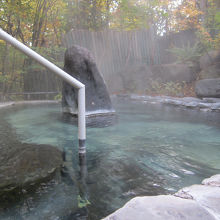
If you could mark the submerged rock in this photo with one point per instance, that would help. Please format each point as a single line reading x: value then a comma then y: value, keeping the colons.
x: 23, y: 165
x: 80, y: 64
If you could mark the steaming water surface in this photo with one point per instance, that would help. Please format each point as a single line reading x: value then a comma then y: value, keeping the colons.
x: 149, y: 150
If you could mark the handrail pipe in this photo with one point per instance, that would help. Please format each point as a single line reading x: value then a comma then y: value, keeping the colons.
x: 65, y: 76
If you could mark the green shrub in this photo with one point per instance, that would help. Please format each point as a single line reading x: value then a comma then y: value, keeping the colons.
x: 187, y: 53
x: 168, y: 88
x: 58, y: 97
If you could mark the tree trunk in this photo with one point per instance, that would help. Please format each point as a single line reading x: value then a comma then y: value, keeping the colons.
x: 203, y: 5
x: 4, y: 66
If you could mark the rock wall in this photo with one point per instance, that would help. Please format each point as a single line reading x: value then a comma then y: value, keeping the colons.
x: 209, y: 83
x: 208, y: 88
x: 139, y: 77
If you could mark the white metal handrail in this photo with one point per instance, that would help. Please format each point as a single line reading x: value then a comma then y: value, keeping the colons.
x: 65, y: 76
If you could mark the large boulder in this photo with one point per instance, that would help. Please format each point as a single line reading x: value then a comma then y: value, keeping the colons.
x: 80, y: 64
x: 175, y: 72
x: 204, y: 195
x: 208, y: 88
x: 23, y: 165
x: 209, y: 83
x: 191, y: 203
x: 160, y: 208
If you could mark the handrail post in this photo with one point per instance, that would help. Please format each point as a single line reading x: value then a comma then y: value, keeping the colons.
x: 81, y: 120
x: 65, y: 76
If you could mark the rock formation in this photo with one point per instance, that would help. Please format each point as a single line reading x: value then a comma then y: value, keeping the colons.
x: 208, y: 88
x: 80, y: 64
x: 209, y: 83
x: 23, y: 165
x: 192, y: 203
x: 209, y: 58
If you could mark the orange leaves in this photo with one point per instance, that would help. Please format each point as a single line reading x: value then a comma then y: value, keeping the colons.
x: 187, y: 15
x: 207, y: 40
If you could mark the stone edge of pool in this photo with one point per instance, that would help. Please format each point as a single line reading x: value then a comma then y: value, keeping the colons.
x: 203, y: 104
x: 196, y: 202
x: 9, y: 104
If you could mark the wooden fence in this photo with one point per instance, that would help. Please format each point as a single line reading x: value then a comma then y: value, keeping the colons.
x: 114, y: 50
x: 117, y: 50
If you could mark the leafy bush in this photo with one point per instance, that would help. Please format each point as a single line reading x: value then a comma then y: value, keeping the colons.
x: 168, y: 88
x: 187, y: 53
x: 58, y: 97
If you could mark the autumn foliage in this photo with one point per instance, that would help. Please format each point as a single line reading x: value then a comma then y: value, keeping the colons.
x: 42, y: 23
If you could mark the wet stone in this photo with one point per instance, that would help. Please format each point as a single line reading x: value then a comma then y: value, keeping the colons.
x: 212, y: 181
x: 206, y: 196
x: 192, y: 203
x: 160, y: 208
x: 208, y: 104
x: 24, y: 165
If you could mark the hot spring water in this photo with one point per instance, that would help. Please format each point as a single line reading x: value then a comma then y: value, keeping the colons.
x: 149, y: 150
